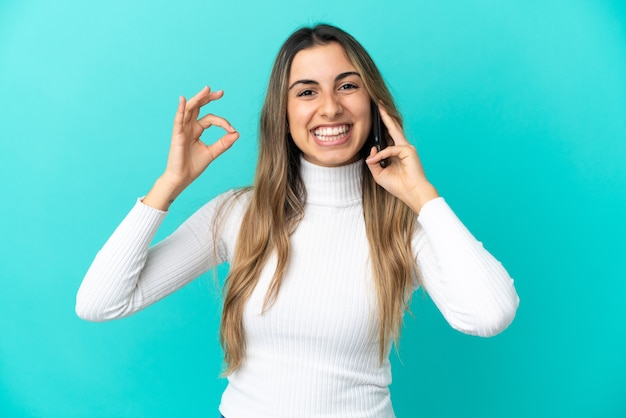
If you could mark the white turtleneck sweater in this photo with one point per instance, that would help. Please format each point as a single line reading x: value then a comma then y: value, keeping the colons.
x: 314, y: 353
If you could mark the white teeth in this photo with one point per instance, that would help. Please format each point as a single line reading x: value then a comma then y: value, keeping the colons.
x: 331, y: 134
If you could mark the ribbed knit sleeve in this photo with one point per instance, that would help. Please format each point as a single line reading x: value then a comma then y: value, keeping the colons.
x: 470, y: 287
x: 127, y: 275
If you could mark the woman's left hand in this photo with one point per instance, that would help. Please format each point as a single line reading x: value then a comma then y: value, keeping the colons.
x: 404, y: 177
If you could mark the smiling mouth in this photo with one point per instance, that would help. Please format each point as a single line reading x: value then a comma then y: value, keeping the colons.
x: 330, y: 134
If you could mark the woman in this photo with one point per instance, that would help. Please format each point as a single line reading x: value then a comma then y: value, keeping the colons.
x: 325, y: 249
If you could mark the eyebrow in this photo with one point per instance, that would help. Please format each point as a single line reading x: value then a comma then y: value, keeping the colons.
x: 339, y: 77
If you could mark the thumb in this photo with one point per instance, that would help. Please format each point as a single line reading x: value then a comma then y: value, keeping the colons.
x: 223, y: 144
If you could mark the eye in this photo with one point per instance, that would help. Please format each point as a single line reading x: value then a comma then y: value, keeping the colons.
x: 348, y: 86
x: 304, y: 93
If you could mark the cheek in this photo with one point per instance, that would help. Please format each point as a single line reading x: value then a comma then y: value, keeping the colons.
x: 368, y: 119
x: 365, y: 115
x: 362, y: 110
x: 293, y: 117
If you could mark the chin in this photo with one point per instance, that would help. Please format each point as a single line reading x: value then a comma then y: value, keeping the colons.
x: 333, y: 161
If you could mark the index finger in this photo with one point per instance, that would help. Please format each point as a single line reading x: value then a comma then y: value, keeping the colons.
x: 213, y: 120
x: 396, y: 132
x: 205, y: 96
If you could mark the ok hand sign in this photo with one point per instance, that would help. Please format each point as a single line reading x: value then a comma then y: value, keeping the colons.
x: 189, y: 156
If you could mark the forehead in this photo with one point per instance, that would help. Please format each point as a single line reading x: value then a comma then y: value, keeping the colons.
x: 320, y: 62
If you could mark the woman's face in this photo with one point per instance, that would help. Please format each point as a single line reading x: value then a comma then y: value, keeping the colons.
x: 328, y: 107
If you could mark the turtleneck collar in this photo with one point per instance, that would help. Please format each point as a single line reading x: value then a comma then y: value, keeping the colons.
x: 333, y: 186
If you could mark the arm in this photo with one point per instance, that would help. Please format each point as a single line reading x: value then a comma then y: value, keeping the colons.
x: 469, y: 286
x: 125, y: 276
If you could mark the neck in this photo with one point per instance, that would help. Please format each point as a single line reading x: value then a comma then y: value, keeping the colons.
x: 332, y: 185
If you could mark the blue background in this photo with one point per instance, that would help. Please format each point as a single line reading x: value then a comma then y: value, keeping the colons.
x: 518, y: 110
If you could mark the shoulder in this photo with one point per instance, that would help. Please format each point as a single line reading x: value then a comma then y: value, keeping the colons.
x: 227, y: 212
x: 232, y: 203
x: 226, y: 204
x: 221, y: 213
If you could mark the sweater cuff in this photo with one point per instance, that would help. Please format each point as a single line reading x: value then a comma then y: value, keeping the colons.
x: 147, y: 207
x: 142, y: 214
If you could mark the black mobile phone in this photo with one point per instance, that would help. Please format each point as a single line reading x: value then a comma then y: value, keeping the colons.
x: 378, y: 136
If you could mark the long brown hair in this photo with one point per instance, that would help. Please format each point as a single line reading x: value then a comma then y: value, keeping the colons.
x: 277, y: 205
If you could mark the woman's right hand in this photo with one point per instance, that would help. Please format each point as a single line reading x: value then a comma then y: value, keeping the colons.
x: 189, y: 156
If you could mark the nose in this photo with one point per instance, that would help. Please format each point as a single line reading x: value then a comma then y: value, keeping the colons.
x: 330, y: 106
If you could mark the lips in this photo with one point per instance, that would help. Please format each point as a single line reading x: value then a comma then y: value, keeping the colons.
x: 331, y: 133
